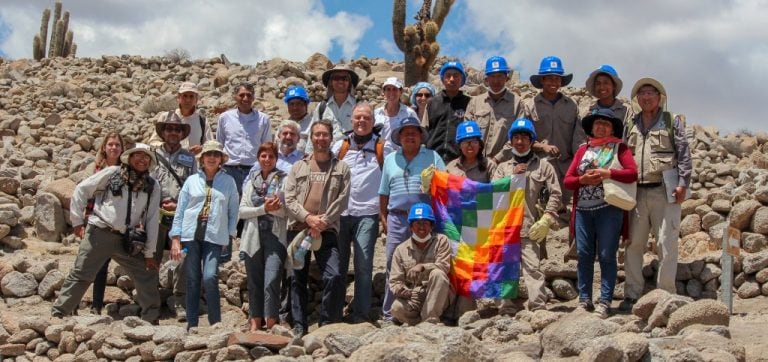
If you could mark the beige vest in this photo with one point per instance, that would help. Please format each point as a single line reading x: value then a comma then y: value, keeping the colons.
x: 653, y: 152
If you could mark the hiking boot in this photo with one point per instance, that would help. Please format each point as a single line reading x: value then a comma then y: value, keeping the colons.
x: 627, y: 304
x: 585, y: 306
x: 602, y: 310
x: 298, y: 333
x: 181, y: 314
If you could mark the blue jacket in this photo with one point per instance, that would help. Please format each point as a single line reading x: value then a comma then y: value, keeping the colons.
x: 222, y: 220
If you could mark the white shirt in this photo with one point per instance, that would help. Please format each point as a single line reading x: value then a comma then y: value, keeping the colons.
x: 391, y: 124
x: 365, y: 176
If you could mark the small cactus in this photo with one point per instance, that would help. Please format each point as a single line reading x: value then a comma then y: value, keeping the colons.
x: 61, y: 42
x: 430, y: 31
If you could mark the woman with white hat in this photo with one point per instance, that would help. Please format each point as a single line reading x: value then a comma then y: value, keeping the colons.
x: 205, y: 221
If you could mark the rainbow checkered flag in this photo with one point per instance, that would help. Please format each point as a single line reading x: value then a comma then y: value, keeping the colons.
x: 483, y: 222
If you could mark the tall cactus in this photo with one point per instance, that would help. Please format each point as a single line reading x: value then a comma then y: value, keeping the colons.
x: 418, y: 41
x: 62, y: 39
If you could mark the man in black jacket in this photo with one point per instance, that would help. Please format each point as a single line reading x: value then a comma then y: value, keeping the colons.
x: 446, y: 110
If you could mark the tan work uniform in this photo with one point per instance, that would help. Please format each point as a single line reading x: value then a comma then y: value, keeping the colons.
x: 495, y: 117
x: 431, y: 292
x: 539, y: 174
x: 557, y: 123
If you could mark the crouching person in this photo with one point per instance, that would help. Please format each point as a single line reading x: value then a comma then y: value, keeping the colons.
x: 125, y: 198
x: 420, y: 266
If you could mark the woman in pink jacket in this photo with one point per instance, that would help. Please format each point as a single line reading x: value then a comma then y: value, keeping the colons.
x: 596, y: 224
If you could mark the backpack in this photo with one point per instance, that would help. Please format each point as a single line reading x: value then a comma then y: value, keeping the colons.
x: 202, y: 127
x: 379, y: 148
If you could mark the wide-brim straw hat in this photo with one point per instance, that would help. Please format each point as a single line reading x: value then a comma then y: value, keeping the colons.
x: 213, y: 146
x: 341, y: 68
x: 139, y: 147
x: 172, y: 118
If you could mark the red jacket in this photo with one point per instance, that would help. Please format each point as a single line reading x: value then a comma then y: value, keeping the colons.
x: 626, y: 175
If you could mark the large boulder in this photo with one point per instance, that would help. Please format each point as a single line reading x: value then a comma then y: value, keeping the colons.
x: 647, y: 303
x: 705, y: 311
x: 49, y: 217
x: 760, y: 221
x: 18, y: 285
x: 571, y: 334
x: 63, y: 189
x: 741, y: 214
x: 753, y: 263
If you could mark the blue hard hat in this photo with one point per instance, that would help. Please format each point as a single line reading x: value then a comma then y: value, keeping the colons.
x: 294, y: 92
x: 468, y: 129
x: 523, y: 125
x: 421, y: 211
x: 609, y: 71
x: 454, y: 65
x: 551, y: 65
x: 496, y: 64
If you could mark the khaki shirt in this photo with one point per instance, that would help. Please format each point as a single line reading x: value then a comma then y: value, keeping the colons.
x: 473, y: 173
x: 182, y: 162
x: 336, y: 197
x: 437, y: 255
x: 495, y: 118
x: 557, y: 124
x: 620, y: 108
x: 539, y: 175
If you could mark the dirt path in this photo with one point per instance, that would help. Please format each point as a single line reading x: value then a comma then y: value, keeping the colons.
x: 749, y: 326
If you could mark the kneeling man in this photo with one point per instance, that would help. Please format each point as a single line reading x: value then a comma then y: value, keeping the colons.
x: 420, y: 266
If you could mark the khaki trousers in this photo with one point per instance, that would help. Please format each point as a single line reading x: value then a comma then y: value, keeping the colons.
x: 652, y: 214
x: 97, y: 246
x: 432, y: 301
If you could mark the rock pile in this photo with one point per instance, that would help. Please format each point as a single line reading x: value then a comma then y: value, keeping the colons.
x: 53, y: 112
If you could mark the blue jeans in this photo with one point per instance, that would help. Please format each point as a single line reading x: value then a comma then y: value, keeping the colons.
x: 597, y: 234
x: 329, y: 263
x: 264, y: 272
x: 361, y: 232
x: 398, y: 230
x: 202, y: 264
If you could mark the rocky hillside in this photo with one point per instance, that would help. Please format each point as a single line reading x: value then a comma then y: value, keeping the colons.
x: 53, y: 112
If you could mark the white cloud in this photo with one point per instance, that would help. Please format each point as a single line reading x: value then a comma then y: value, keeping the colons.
x: 246, y: 31
x: 712, y: 56
x: 389, y: 47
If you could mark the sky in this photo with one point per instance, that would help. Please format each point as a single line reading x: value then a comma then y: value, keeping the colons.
x: 711, y: 55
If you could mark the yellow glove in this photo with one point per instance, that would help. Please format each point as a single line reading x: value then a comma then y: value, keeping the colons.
x: 538, y: 231
x: 426, y: 178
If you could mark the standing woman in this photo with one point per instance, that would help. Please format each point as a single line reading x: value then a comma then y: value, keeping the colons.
x: 112, y: 146
x: 596, y: 224
x: 264, y: 238
x: 205, y: 221
x: 605, y: 85
x: 421, y: 93
x: 471, y: 164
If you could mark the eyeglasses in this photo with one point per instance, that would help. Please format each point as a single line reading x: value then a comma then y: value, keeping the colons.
x: 425, y: 95
x: 648, y: 92
x: 340, y: 78
x: 174, y: 129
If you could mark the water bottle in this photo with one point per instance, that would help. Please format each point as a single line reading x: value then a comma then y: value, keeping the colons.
x: 301, y: 251
x: 273, y: 185
x: 176, y: 264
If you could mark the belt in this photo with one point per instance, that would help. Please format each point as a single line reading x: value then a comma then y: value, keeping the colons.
x: 398, y: 212
x: 111, y: 230
x: 242, y: 167
x: 649, y: 185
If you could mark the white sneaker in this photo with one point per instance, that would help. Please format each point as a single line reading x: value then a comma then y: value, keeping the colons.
x: 602, y: 310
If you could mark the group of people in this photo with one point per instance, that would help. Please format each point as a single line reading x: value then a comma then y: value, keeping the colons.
x: 329, y: 179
